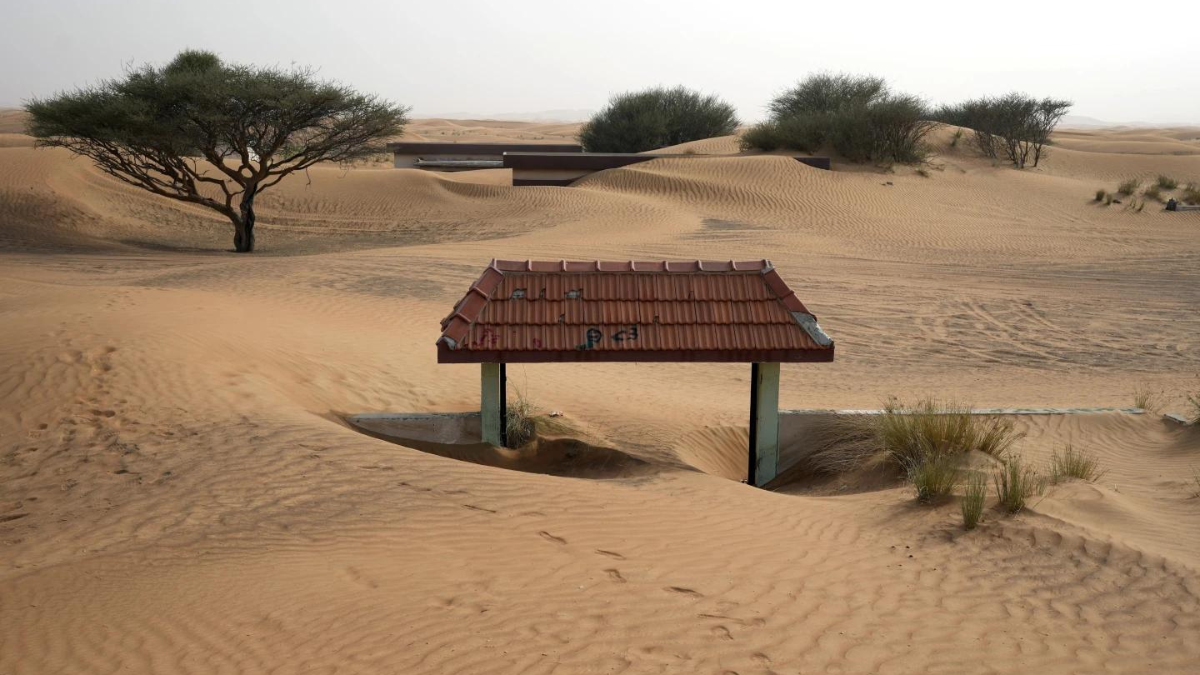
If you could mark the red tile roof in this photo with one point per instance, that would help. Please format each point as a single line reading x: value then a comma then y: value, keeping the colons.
x: 536, y: 311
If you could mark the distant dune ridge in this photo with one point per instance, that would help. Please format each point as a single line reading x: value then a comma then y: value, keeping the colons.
x: 180, y: 493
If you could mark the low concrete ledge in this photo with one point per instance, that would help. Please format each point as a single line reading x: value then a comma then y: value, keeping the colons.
x: 1177, y: 419
x: 978, y: 411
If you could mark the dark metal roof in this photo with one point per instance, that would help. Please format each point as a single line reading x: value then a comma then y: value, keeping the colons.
x: 428, y: 148
x: 539, y: 311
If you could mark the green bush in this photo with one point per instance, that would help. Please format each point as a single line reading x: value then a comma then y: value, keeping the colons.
x: 1016, y: 482
x: 858, y: 116
x: 974, y: 496
x: 1074, y: 463
x: 656, y: 118
x: 1166, y: 182
x: 1128, y: 186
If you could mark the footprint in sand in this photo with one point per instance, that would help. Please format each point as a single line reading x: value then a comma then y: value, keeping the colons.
x: 549, y: 537
x: 722, y: 633
x: 615, y: 575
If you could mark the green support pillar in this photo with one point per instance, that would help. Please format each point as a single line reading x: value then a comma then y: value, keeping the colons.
x: 489, y: 403
x: 764, y: 423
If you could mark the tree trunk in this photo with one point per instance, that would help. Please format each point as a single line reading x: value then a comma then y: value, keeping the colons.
x: 243, y: 232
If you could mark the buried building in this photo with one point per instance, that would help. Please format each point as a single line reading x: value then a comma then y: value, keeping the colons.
x: 523, y: 311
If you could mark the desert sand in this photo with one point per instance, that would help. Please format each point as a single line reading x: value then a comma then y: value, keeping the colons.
x: 180, y: 492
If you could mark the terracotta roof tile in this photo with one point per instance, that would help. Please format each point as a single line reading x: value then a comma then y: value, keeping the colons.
x: 542, y: 310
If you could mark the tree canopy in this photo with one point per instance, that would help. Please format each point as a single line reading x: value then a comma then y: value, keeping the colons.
x: 656, y: 118
x: 206, y: 132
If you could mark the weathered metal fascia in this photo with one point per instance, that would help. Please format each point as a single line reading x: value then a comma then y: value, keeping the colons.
x: 809, y: 323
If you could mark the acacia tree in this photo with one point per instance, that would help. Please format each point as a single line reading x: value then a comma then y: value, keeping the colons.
x: 205, y: 132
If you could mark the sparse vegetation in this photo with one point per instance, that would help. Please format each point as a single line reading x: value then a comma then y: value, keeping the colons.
x: 1196, y: 480
x: 1166, y: 182
x: 858, y: 116
x: 1128, y: 186
x: 909, y: 432
x: 958, y: 134
x: 1016, y: 482
x: 1076, y: 464
x: 905, y: 436
x: 1108, y: 199
x: 1191, y: 194
x: 923, y: 172
x: 933, y: 475
x: 974, y: 496
x: 1101, y: 194
x: 1153, y: 192
x: 1015, y: 126
x: 656, y: 118
x: 1148, y: 398
x: 519, y: 424
x: 1194, y: 401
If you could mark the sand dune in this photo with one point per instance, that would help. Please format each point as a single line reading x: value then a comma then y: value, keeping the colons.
x: 181, y: 493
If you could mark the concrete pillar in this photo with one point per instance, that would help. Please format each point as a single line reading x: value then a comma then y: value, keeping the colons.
x: 764, y: 424
x: 490, y: 413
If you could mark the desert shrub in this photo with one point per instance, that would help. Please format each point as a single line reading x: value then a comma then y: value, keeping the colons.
x: 1100, y: 194
x: 1166, y: 182
x: 519, y: 424
x: 905, y: 436
x: 1153, y: 192
x: 933, y: 475
x: 958, y: 134
x: 1016, y: 482
x: 857, y: 115
x: 909, y: 432
x: 974, y: 496
x: 1074, y: 463
x: 1015, y: 126
x: 1128, y: 186
x: 655, y: 118
x: 1108, y: 199
x: 1148, y: 398
x: 1191, y: 194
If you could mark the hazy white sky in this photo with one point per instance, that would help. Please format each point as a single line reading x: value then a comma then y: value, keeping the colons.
x: 1120, y: 63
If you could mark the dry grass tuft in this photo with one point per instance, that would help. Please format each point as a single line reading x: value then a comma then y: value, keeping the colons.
x: 1148, y: 398
x: 1016, y: 482
x: 1128, y: 186
x: 909, y: 432
x: 1153, y: 192
x: 1074, y: 463
x: 1101, y: 194
x: 1166, y: 182
x: 518, y: 422
x: 1194, y: 401
x: 933, y: 476
x: 1191, y: 194
x: 926, y: 441
x: 974, y: 496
